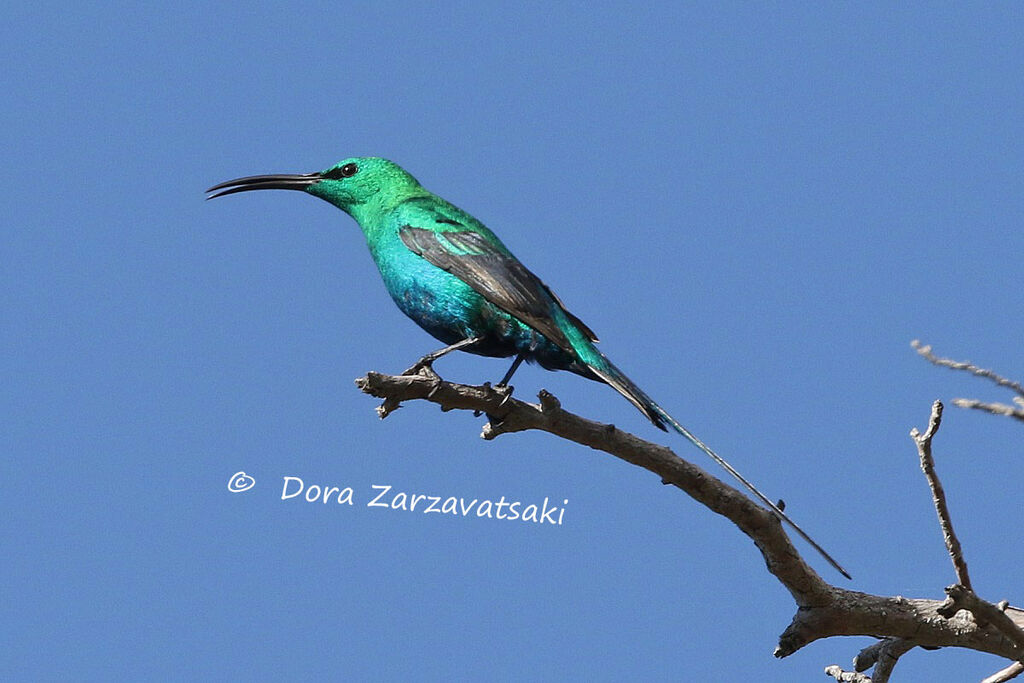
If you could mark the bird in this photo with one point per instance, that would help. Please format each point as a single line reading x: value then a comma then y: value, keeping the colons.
x: 454, y: 278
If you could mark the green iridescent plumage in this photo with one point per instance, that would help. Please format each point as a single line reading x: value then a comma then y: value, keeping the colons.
x: 453, y: 276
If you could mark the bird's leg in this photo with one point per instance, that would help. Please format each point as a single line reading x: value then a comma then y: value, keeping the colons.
x: 428, y: 360
x: 503, y: 386
x: 512, y: 370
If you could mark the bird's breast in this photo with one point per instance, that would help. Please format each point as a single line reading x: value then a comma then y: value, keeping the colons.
x: 439, y: 302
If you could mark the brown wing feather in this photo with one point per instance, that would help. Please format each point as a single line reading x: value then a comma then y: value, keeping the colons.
x: 495, y: 275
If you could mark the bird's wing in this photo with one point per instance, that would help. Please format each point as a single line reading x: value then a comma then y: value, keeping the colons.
x: 496, y: 275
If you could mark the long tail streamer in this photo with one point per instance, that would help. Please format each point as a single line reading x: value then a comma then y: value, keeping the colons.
x: 750, y: 487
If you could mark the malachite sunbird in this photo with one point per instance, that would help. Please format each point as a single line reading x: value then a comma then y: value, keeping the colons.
x: 453, y: 276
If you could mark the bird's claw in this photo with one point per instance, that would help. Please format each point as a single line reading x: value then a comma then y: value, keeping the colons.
x: 435, y: 388
x: 506, y: 391
x: 503, y: 390
x: 424, y: 367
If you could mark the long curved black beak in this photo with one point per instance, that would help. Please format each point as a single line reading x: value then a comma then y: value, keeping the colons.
x: 280, y: 181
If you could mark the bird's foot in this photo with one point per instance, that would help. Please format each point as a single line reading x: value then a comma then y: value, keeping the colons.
x: 435, y: 388
x: 504, y: 390
x: 425, y: 367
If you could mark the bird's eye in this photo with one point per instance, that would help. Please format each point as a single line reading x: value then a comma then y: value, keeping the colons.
x: 346, y: 171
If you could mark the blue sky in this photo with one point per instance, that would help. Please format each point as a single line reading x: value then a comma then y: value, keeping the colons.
x: 756, y: 208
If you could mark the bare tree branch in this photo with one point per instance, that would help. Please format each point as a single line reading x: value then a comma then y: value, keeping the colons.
x: 846, y: 676
x: 883, y: 655
x: 994, y: 408
x: 1009, y: 673
x: 924, y: 449
x: 985, y: 613
x: 925, y: 351
x: 823, y: 610
x: 509, y: 415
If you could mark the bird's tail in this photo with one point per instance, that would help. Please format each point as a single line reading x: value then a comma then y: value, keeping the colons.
x: 656, y: 414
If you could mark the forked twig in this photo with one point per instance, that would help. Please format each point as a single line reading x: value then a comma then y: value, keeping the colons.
x: 924, y: 450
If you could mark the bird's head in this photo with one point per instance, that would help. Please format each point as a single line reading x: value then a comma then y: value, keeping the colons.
x: 348, y: 184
